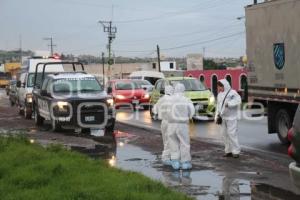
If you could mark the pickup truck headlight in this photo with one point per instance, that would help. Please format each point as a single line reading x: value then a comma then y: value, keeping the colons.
x: 212, y: 100
x: 110, y: 102
x: 62, y: 105
x: 29, y: 98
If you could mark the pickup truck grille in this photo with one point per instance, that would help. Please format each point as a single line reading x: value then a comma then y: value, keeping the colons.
x: 90, y: 114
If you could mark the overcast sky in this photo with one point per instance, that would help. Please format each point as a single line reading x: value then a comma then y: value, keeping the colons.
x: 178, y: 26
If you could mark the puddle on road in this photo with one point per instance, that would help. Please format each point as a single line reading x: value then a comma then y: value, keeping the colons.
x: 201, y: 184
x: 204, y: 184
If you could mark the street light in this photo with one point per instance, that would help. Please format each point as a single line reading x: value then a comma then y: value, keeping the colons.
x: 241, y: 17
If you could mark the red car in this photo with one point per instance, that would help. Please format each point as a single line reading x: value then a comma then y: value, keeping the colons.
x: 127, y: 92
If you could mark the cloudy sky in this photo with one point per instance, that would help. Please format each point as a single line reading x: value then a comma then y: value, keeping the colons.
x: 178, y: 26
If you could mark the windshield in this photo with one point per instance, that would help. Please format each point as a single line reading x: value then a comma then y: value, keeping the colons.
x: 142, y: 82
x: 127, y: 86
x: 30, y: 80
x: 190, y: 84
x: 76, y: 85
x: 136, y: 77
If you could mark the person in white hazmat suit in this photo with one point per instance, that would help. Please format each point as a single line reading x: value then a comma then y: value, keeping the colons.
x: 161, y: 109
x: 228, y: 102
x: 178, y: 129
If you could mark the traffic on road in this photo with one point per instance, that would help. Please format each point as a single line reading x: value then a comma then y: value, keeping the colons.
x: 190, y: 126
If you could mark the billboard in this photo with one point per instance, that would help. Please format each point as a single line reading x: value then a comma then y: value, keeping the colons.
x: 194, y: 62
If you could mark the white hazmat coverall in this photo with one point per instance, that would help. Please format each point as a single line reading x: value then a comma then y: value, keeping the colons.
x: 229, y: 114
x: 161, y: 108
x: 178, y: 129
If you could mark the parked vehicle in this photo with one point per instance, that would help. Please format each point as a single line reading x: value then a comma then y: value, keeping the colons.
x: 9, y: 86
x: 273, y: 61
x: 151, y: 76
x: 13, y: 95
x: 127, y: 92
x: 73, y: 100
x: 146, y: 85
x: 203, y: 99
x: 294, y: 149
x: 26, y: 80
x: 4, y: 79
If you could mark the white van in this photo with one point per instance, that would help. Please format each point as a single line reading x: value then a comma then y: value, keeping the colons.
x: 26, y: 81
x: 151, y: 76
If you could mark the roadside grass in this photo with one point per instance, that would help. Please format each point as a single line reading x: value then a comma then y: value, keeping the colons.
x: 29, y: 171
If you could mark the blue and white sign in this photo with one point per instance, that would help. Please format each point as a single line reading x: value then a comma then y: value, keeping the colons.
x: 279, y: 55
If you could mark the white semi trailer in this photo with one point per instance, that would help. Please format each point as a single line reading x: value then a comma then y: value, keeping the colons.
x: 273, y: 51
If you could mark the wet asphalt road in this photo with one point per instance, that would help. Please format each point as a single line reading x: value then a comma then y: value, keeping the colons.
x: 253, y: 176
x: 253, y: 132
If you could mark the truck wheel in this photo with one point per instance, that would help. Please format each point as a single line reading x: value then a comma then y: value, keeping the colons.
x: 55, y: 126
x: 21, y: 111
x: 27, y: 113
x: 38, y: 119
x: 12, y: 103
x: 283, y: 124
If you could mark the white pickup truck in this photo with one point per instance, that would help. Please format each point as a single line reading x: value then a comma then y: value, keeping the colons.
x: 26, y: 80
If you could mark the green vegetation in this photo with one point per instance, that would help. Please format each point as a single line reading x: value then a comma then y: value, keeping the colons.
x: 12, y: 56
x: 29, y: 171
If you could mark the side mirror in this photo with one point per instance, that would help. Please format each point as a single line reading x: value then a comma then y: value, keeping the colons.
x: 18, y: 84
x: 23, y: 85
x: 109, y: 90
x: 44, y: 93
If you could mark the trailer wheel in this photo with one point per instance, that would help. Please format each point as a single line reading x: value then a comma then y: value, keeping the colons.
x: 283, y: 124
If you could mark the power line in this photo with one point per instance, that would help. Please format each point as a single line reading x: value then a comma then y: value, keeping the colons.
x: 182, y: 34
x: 169, y: 14
x: 203, y: 42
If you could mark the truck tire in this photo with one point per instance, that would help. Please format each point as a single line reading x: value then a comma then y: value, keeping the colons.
x: 21, y: 111
x: 283, y: 124
x: 11, y: 103
x: 38, y: 119
x: 55, y: 126
x: 27, y: 112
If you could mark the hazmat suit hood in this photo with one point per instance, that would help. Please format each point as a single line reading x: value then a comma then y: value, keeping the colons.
x: 226, y: 84
x: 179, y: 89
x: 169, y: 90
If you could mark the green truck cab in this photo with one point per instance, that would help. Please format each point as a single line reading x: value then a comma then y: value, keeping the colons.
x: 202, y: 98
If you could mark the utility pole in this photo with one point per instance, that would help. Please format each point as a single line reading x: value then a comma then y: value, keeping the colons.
x: 51, y: 44
x: 103, y: 69
x: 20, y: 37
x: 158, y: 58
x: 111, y: 30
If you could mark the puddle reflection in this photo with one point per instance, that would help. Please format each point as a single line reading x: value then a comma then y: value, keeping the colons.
x: 200, y: 184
